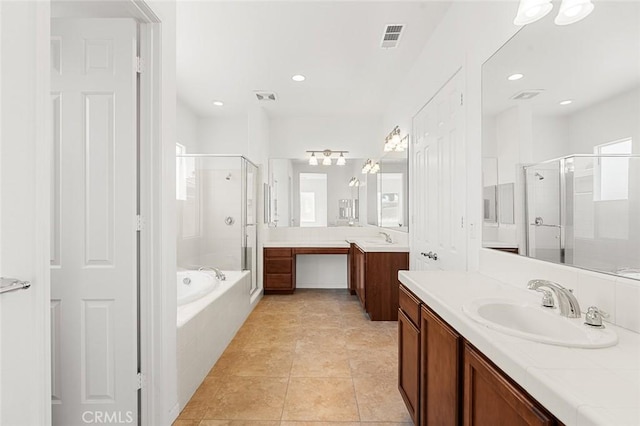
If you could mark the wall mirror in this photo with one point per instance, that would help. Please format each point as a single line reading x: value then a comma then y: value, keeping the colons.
x: 392, y: 198
x: 560, y: 108
x: 302, y: 195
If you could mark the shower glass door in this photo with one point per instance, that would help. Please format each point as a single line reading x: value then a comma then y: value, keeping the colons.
x: 544, y: 211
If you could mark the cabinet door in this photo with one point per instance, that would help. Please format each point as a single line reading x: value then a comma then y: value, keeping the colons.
x: 351, y: 269
x: 409, y: 364
x: 440, y: 388
x: 491, y: 399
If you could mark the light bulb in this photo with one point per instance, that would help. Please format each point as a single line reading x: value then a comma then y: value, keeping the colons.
x: 572, y: 11
x: 313, y: 160
x: 326, y: 161
x: 531, y: 10
x: 341, y: 160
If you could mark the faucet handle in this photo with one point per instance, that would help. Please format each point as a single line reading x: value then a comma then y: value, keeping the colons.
x: 594, y: 316
x: 547, y: 298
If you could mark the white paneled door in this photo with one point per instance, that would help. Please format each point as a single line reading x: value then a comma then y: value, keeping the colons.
x: 439, y: 181
x: 94, y: 331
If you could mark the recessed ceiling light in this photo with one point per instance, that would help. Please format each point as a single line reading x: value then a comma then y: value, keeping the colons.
x: 218, y: 103
x: 298, y: 77
x: 566, y: 102
x: 514, y: 77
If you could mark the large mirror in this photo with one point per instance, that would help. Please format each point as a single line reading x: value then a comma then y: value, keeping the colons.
x: 560, y: 142
x: 392, y: 206
x: 303, y: 195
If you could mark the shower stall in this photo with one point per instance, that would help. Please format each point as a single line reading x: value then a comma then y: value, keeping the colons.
x: 217, y: 213
x: 569, y: 206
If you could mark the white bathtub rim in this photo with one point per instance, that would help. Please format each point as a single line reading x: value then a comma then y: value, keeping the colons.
x: 188, y: 311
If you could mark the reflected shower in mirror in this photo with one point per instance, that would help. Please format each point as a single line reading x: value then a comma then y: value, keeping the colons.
x: 561, y: 143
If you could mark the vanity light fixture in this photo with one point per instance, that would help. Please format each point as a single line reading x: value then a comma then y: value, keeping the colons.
x: 514, y: 77
x: 326, y: 160
x: 531, y: 10
x: 313, y: 160
x: 375, y: 168
x: 367, y: 166
x: 566, y: 102
x: 394, y: 141
x: 572, y: 11
x: 354, y: 182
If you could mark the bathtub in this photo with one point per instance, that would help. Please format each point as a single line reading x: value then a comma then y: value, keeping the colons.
x: 207, y: 323
x: 192, y: 285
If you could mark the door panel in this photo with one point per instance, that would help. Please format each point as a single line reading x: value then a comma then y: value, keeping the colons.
x: 439, y: 181
x: 94, y: 203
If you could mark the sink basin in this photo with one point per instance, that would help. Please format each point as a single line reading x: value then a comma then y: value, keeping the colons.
x: 538, y: 324
x: 377, y: 242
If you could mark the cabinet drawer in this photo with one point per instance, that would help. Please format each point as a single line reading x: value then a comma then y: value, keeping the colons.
x: 410, y: 305
x: 278, y: 281
x: 277, y: 252
x: 278, y: 265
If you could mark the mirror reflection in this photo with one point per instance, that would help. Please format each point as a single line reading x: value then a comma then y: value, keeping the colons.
x: 561, y: 170
x: 392, y: 206
x: 304, y: 195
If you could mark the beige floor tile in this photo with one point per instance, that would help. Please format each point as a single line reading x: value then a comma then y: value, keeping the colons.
x: 320, y: 399
x: 248, y: 398
x: 193, y: 411
x: 319, y: 423
x: 379, y: 399
x: 373, y: 362
x: 321, y: 364
x: 238, y: 423
x: 262, y: 363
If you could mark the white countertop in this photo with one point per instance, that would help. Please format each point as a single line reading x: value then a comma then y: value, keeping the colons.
x: 498, y: 244
x: 378, y: 245
x: 579, y: 386
x: 308, y: 244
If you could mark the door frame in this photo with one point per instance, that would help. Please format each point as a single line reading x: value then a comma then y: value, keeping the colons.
x: 154, y: 305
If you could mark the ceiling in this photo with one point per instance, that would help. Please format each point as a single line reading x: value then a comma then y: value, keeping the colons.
x: 588, y: 61
x: 226, y: 50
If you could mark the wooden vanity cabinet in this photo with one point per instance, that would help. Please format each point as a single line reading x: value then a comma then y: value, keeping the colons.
x: 279, y: 270
x: 376, y: 282
x: 440, y: 379
x: 490, y: 398
x: 444, y: 380
x: 409, y: 352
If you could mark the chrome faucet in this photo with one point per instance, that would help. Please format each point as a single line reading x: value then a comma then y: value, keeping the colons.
x: 569, y: 306
x: 219, y: 275
x: 387, y: 237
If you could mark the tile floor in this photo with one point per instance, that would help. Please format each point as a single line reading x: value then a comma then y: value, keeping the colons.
x: 308, y: 358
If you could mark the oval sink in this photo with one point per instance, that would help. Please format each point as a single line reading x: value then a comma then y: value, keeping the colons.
x: 532, y: 322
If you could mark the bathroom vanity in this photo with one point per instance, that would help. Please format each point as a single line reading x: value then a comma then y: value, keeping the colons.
x: 372, y: 270
x: 454, y: 370
x: 374, y: 278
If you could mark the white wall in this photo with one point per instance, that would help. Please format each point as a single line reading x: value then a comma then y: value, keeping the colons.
x: 224, y: 135
x: 290, y: 137
x: 187, y: 127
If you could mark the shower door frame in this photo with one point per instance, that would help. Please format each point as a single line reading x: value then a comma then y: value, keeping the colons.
x: 562, y: 201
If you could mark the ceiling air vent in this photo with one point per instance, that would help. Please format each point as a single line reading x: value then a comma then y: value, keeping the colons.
x: 265, y: 96
x: 391, y: 36
x: 525, y: 95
